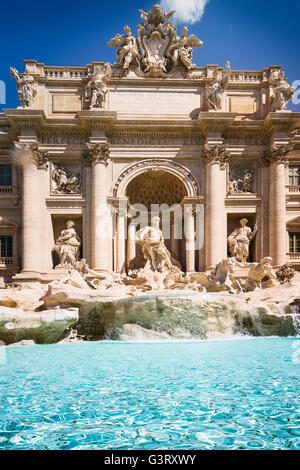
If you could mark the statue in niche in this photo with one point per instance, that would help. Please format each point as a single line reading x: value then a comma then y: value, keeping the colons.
x: 68, y: 245
x: 241, y: 180
x: 64, y: 182
x: 282, y: 94
x: 25, y: 88
x: 127, y: 52
x: 214, y: 92
x: 153, y: 246
x: 239, y: 241
x: 182, y: 51
x: 96, y: 89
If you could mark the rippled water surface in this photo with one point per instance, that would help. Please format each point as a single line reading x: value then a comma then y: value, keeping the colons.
x: 239, y: 394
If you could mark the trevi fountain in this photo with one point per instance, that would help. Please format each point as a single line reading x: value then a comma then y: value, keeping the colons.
x: 127, y: 332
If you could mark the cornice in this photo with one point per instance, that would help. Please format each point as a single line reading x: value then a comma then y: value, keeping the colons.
x: 25, y: 118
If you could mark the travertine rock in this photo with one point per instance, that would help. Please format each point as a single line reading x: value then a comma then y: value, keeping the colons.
x: 49, y: 326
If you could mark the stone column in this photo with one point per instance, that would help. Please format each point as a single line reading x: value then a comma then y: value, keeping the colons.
x: 98, y: 156
x: 173, y: 242
x: 190, y: 239
x: 277, y: 160
x: 131, y: 248
x: 32, y: 160
x: 121, y: 240
x: 215, y: 157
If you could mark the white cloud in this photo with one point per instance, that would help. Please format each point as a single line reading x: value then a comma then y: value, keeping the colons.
x: 187, y: 11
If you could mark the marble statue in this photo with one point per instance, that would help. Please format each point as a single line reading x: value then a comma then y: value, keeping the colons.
x: 68, y: 245
x: 127, y: 52
x: 63, y: 182
x: 26, y: 91
x: 153, y: 246
x: 239, y: 241
x: 282, y: 94
x: 221, y: 280
x: 258, y: 272
x: 96, y: 89
x: 214, y: 92
x: 155, y: 21
x: 182, y: 51
x: 158, y: 51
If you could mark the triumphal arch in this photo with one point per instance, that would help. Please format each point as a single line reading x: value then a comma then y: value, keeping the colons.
x: 87, y: 143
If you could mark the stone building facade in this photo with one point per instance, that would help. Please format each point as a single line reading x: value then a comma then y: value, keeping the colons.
x: 144, y: 131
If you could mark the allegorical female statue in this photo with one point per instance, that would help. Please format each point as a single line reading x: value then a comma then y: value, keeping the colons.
x: 214, y: 92
x: 283, y: 92
x: 68, y: 245
x: 25, y: 87
x: 239, y: 241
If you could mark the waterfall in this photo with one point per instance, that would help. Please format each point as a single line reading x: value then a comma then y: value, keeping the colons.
x: 296, y: 319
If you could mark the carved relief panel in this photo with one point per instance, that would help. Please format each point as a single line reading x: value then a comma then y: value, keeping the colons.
x: 241, y: 179
x: 66, y: 178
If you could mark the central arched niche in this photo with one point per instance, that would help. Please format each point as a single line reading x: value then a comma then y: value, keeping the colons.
x: 156, y: 187
x: 159, y: 187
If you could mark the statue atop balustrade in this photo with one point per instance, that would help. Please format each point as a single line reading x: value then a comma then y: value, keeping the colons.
x: 25, y: 87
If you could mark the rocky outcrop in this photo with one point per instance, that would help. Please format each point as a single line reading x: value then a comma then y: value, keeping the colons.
x: 185, y: 316
x: 154, y: 315
x: 46, y: 327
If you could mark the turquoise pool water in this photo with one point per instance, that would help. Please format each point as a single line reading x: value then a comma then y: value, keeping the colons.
x: 239, y: 394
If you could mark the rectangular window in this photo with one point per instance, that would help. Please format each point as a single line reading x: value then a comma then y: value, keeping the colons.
x: 6, y: 246
x: 294, y: 175
x: 294, y: 242
x: 5, y: 175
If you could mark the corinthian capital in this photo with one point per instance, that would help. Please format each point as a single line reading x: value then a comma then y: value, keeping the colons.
x: 98, y: 153
x: 277, y: 154
x: 31, y: 152
x: 216, y: 154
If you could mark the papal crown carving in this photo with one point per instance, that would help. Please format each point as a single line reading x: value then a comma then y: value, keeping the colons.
x: 158, y: 51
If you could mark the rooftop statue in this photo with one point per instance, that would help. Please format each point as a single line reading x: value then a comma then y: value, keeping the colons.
x: 127, y: 52
x: 96, y: 89
x: 214, y: 92
x: 283, y: 92
x: 158, y: 52
x: 182, y: 51
x: 25, y: 87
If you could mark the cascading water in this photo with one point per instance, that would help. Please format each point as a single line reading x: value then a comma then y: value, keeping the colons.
x: 296, y: 318
x: 165, y: 315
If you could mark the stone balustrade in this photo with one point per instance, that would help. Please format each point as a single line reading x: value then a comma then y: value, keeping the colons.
x: 65, y: 73
x: 4, y: 190
x: 9, y: 261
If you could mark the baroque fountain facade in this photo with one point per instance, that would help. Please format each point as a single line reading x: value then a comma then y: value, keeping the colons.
x: 150, y: 179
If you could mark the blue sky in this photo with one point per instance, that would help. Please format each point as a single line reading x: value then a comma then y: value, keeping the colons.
x: 251, y: 34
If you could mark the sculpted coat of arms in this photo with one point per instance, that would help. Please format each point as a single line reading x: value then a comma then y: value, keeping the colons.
x: 158, y: 51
